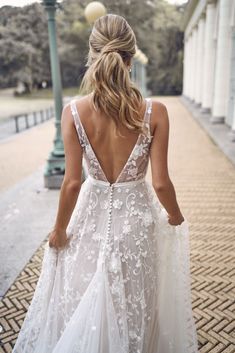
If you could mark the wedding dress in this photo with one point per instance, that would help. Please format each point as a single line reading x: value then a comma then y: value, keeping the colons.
x: 122, y: 285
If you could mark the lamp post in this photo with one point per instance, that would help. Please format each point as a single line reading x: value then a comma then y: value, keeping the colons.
x: 54, y: 171
x: 139, y: 76
x: 143, y: 60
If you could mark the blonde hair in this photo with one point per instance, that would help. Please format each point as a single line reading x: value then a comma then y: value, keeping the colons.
x: 112, y: 45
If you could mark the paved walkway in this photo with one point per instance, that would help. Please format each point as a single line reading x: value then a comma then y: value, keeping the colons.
x: 205, y: 185
x: 25, y: 222
x: 21, y: 154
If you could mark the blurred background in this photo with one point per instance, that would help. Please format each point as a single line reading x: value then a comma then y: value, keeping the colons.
x: 24, y: 47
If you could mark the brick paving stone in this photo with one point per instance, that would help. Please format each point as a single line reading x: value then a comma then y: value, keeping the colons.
x: 204, y: 180
x: 21, y: 154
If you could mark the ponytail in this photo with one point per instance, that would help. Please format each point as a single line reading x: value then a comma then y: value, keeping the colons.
x: 108, y: 76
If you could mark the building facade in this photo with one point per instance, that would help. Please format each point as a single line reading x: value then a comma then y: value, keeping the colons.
x: 209, y: 59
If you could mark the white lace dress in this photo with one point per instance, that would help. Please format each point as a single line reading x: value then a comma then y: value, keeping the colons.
x: 122, y: 285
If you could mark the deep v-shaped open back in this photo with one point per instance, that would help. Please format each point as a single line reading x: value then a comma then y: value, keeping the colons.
x: 136, y: 163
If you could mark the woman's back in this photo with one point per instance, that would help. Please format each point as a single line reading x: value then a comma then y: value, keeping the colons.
x: 119, y: 156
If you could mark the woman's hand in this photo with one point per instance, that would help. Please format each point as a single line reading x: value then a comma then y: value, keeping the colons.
x: 58, y: 239
x: 175, y: 220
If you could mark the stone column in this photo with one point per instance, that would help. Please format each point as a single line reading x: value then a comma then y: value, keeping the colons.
x: 195, y: 63
x: 230, y: 118
x: 192, y: 65
x: 232, y: 132
x: 221, y: 86
x: 185, y: 67
x: 189, y: 66
x: 209, y: 58
x: 200, y: 60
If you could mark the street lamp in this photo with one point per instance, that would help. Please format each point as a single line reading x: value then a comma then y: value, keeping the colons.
x: 94, y: 10
x: 54, y: 171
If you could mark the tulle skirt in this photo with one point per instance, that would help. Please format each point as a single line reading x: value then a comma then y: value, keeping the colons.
x: 120, y: 286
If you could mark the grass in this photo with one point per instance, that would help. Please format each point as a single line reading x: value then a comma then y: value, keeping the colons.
x: 47, y: 93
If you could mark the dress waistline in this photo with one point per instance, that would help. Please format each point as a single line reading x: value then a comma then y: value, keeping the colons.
x: 116, y: 184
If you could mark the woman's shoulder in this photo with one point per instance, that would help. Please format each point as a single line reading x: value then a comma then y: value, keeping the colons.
x: 76, y: 102
x: 80, y: 100
x: 158, y: 108
x: 159, y: 113
x: 157, y: 105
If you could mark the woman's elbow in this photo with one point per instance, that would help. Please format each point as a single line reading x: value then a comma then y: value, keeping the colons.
x: 161, y: 186
x: 72, y: 186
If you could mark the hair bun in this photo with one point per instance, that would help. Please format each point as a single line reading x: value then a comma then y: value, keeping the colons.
x: 107, y: 50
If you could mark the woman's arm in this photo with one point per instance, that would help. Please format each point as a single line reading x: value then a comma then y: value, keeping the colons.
x: 158, y: 156
x: 72, y: 180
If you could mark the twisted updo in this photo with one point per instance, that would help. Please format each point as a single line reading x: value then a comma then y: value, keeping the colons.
x: 112, y: 45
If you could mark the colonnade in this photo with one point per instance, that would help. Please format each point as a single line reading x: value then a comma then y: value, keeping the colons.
x: 209, y: 59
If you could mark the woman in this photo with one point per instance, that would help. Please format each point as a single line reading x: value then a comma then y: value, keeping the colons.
x: 115, y: 274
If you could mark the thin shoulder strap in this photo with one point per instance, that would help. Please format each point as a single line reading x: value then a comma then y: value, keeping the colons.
x: 77, y: 122
x: 148, y: 110
x: 147, y: 116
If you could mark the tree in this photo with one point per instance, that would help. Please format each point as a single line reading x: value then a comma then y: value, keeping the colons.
x: 16, y: 63
x: 73, y: 33
x: 165, y: 68
x: 24, y: 50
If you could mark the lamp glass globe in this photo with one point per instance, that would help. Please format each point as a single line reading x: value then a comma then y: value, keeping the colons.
x: 94, y: 10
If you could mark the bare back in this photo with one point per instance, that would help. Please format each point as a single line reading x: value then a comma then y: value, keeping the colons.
x: 98, y: 132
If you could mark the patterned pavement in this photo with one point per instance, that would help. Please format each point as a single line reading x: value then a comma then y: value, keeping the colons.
x: 204, y: 180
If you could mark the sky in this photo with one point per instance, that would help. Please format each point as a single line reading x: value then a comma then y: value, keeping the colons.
x: 16, y: 2
x: 27, y: 2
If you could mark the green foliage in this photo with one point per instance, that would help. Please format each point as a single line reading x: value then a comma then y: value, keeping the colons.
x: 14, y: 65
x: 165, y: 67
x: 73, y: 32
x: 24, y: 47
x: 24, y: 51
